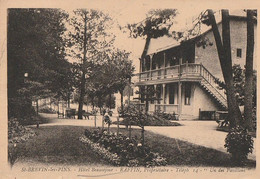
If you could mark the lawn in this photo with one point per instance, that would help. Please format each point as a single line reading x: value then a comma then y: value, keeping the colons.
x: 60, y: 145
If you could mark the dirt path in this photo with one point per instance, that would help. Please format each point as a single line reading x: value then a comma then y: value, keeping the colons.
x: 202, y: 133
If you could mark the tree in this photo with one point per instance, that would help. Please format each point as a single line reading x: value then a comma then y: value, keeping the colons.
x: 88, y: 43
x: 249, y: 69
x: 36, y: 48
x: 224, y: 53
x: 123, y: 71
x: 157, y: 24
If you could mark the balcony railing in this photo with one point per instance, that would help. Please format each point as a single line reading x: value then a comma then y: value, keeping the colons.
x: 188, y: 70
x: 171, y: 72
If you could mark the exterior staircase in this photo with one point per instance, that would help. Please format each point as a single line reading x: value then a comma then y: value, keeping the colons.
x: 208, y: 83
x: 184, y: 72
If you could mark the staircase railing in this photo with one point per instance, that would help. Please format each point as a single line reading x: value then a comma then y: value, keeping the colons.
x: 189, y: 70
x: 211, y: 79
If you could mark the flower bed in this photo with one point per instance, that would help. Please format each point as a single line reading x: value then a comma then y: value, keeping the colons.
x: 120, y: 150
x: 18, y: 133
x: 104, y: 153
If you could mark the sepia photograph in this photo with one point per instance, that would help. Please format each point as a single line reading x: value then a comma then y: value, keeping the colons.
x: 129, y: 89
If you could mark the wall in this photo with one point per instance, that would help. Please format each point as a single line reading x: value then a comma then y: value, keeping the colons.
x: 203, y: 100
x: 209, y: 56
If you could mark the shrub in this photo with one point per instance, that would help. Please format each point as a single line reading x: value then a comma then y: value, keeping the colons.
x: 16, y: 134
x: 132, y: 115
x: 239, y: 143
x: 129, y: 151
x: 47, y: 110
x: 166, y: 116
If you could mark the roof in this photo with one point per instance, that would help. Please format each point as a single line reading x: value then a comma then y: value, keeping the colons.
x: 166, y: 42
x: 161, y: 43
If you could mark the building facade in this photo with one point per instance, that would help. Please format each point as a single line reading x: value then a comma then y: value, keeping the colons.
x: 184, y: 75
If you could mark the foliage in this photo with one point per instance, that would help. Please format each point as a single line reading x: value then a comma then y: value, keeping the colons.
x: 132, y: 114
x: 35, y: 48
x: 47, y: 110
x: 16, y: 134
x: 239, y: 84
x: 239, y: 143
x: 109, y: 77
x: 101, y: 151
x: 157, y: 24
x: 89, y: 45
x: 129, y: 151
x: 166, y: 116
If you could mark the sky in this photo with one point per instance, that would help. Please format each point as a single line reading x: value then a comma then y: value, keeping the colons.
x: 125, y: 12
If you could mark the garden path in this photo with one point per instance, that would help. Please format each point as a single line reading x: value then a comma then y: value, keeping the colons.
x: 201, y: 133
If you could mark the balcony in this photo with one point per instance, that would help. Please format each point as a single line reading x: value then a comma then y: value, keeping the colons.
x: 184, y: 72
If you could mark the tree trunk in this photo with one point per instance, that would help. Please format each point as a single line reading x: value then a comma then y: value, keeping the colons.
x: 142, y: 131
x: 102, y: 123
x: 249, y: 71
x: 234, y: 111
x: 58, y: 110
x: 110, y: 101
x: 68, y: 100
x: 224, y: 53
x: 83, y: 78
x: 82, y: 94
x: 129, y: 91
x: 122, y: 102
x: 130, y: 131
x: 108, y: 128
x: 93, y: 104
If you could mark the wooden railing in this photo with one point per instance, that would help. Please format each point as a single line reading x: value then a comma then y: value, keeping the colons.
x: 170, y: 72
x: 181, y: 71
x: 211, y: 79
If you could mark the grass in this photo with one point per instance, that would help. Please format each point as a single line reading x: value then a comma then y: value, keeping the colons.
x: 37, y: 119
x: 178, y: 152
x: 60, y: 145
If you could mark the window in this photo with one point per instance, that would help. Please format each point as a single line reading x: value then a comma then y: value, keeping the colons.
x: 239, y: 52
x: 187, y: 94
x: 171, y: 94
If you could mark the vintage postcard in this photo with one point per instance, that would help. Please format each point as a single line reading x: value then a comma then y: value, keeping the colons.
x: 133, y: 89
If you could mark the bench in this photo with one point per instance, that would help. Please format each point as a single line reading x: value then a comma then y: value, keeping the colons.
x: 71, y: 113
